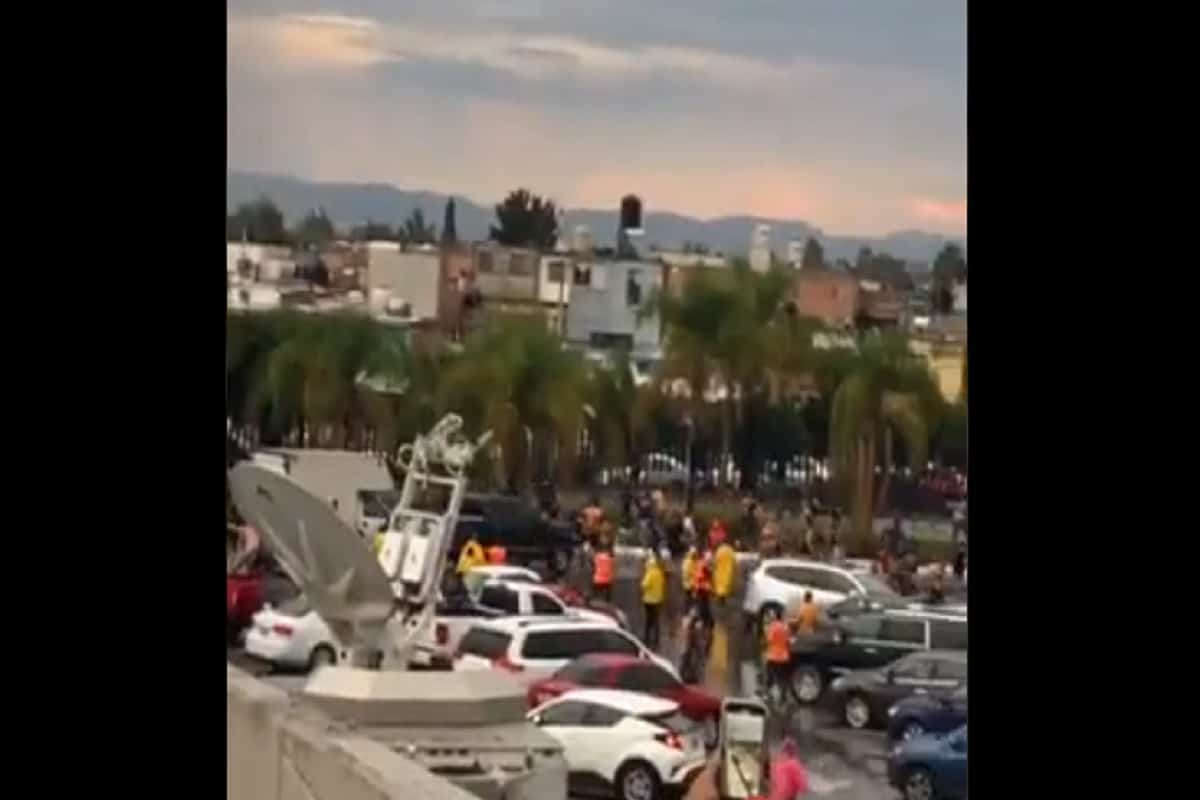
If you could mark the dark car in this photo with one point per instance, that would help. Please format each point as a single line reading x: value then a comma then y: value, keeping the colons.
x: 931, y: 767
x: 863, y: 697
x: 869, y: 641
x: 615, y: 671
x: 519, y: 528
x: 927, y: 713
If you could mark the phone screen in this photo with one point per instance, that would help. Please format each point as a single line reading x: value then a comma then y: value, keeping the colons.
x: 743, y: 769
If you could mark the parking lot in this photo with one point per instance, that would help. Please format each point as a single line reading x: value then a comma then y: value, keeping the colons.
x: 843, y: 764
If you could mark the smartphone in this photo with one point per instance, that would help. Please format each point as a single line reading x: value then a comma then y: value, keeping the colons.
x: 743, y: 764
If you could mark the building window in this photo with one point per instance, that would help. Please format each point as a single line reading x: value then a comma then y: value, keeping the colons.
x: 583, y: 275
x: 633, y: 290
x: 554, y: 271
x: 485, y: 261
x: 611, y: 340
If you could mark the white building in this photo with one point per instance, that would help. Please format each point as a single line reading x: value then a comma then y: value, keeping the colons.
x: 760, y: 248
x: 606, y: 297
x: 398, y: 278
x: 795, y: 253
x: 678, y: 258
x: 259, y: 262
x: 960, y: 298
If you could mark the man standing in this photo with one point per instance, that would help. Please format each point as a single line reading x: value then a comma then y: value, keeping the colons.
x: 653, y: 591
x: 808, y: 616
x: 602, y: 572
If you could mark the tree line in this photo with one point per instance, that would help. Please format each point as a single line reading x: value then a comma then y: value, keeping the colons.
x: 347, y: 381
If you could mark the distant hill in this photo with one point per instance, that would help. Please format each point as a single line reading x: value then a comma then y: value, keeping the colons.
x: 353, y: 203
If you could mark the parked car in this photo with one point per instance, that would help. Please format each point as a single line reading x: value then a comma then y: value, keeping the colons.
x: 627, y: 744
x: 863, y: 697
x: 779, y: 583
x: 614, y: 671
x: 533, y: 648
x: 527, y: 537
x: 931, y: 767
x: 292, y: 636
x: 860, y: 603
x: 243, y: 599
x: 869, y: 641
x: 476, y: 577
x: 519, y: 598
x: 924, y: 713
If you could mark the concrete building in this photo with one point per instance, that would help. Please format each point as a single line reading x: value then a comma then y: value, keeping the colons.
x: 554, y: 287
x: 507, y: 278
x: 398, y: 277
x: 760, y: 248
x: 945, y: 353
x: 679, y: 259
x: 795, y: 253
x: 827, y: 295
x: 259, y: 262
x: 605, y: 299
x: 960, y: 298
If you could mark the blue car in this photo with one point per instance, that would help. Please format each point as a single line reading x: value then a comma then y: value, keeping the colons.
x: 931, y: 767
x: 924, y: 713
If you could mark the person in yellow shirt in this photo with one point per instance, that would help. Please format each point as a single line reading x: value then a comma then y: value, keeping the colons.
x: 724, y: 568
x: 471, y: 556
x: 690, y: 562
x: 808, y: 616
x: 653, y: 590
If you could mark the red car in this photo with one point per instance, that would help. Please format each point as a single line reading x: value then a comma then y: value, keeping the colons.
x: 613, y: 671
x: 243, y: 599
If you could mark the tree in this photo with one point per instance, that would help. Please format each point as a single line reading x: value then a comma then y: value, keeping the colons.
x: 372, y: 231
x: 414, y: 230
x: 949, y: 269
x: 315, y: 229
x: 260, y: 222
x: 525, y: 220
x: 620, y: 412
x: 515, y: 377
x: 887, y: 392
x: 814, y: 255
x: 449, y: 227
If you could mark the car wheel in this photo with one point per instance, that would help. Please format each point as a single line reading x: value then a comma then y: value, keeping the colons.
x: 711, y: 733
x: 918, y: 784
x: 807, y: 684
x: 637, y: 780
x: 911, y: 730
x: 857, y: 712
x: 322, y: 656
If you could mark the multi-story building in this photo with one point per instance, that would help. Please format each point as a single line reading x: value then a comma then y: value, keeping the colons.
x: 507, y: 279
x: 555, y: 271
x: 397, y: 278
x: 828, y: 295
x: 245, y: 261
x: 606, y: 299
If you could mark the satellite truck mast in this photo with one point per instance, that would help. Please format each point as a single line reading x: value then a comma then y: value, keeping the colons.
x: 377, y: 608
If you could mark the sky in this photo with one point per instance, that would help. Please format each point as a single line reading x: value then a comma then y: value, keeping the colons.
x: 848, y: 114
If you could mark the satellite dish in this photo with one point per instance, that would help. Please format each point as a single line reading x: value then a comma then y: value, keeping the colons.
x: 326, y: 557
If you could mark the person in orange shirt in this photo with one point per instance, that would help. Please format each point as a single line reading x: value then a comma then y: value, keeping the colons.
x: 602, y: 573
x: 808, y: 616
x: 778, y: 655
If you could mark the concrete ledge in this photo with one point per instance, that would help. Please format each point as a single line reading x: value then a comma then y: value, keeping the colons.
x: 277, y: 751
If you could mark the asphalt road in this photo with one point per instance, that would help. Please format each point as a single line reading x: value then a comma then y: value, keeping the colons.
x: 842, y: 764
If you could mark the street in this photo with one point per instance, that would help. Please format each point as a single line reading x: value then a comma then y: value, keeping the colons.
x: 842, y: 764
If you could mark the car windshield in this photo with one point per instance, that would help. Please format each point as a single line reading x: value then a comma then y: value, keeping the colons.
x: 581, y: 671
x: 673, y: 721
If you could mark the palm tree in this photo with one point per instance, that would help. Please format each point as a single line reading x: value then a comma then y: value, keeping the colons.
x: 516, y: 378
x: 888, y: 391
x: 620, y: 410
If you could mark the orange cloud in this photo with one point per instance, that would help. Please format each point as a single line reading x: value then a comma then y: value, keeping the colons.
x: 943, y: 211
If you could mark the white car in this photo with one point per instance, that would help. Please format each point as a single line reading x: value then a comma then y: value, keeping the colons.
x: 532, y: 648
x: 634, y: 745
x: 291, y: 636
x: 522, y: 599
x: 475, y: 577
x: 779, y: 583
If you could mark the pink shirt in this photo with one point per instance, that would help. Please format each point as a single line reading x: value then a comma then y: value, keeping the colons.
x: 788, y: 779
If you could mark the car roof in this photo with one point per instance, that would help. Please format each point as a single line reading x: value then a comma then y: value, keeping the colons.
x: 629, y: 702
x: 500, y: 569
x: 529, y: 622
x: 927, y: 612
x: 940, y: 655
x: 801, y: 562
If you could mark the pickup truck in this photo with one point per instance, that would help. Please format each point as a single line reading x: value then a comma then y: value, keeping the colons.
x: 496, y: 599
x: 524, y: 533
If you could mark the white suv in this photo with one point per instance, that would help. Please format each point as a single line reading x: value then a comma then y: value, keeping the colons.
x: 638, y: 745
x: 533, y: 648
x: 779, y: 583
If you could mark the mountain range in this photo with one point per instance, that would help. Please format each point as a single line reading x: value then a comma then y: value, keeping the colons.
x: 350, y: 204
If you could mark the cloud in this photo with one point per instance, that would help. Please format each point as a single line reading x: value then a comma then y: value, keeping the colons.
x: 942, y: 212
x: 320, y: 42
